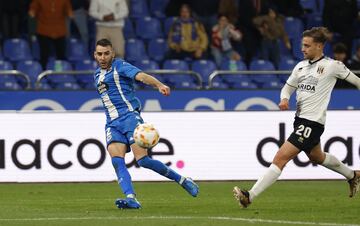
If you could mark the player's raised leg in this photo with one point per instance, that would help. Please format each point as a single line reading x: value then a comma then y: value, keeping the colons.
x: 145, y: 161
x: 117, y: 152
x: 286, y: 152
x: 331, y: 162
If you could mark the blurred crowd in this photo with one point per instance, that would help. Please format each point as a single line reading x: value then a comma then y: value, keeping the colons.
x: 215, y: 30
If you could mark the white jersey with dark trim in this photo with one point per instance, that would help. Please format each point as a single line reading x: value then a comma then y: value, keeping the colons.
x: 314, y: 82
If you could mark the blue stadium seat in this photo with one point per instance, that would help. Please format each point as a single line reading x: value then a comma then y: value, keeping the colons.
x: 204, y: 68
x: 293, y: 27
x: 157, y: 8
x: 75, y: 50
x: 167, y: 24
x: 31, y: 68
x: 86, y: 81
x: 237, y: 81
x: 129, y: 31
x: 314, y: 20
x: 179, y: 80
x: 286, y: 65
x: 8, y: 82
x: 135, y: 50
x: 61, y: 81
x: 139, y: 9
x: 148, y: 28
x: 16, y: 49
x: 149, y: 65
x: 355, y: 44
x: 309, y: 5
x: 157, y: 49
x: 296, y: 49
x: 267, y: 80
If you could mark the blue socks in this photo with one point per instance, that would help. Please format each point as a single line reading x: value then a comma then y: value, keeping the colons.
x: 124, y: 178
x: 159, y: 167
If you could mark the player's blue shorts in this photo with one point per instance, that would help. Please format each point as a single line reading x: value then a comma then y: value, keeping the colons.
x: 121, y: 130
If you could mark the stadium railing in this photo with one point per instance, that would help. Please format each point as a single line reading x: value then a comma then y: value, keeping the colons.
x: 79, y: 73
x: 166, y: 72
x: 19, y: 74
x: 217, y: 73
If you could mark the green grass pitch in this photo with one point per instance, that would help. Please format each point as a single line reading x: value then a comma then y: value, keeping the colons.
x: 165, y: 203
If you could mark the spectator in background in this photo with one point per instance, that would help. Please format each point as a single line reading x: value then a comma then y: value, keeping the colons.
x: 229, y: 8
x: 51, y: 26
x: 222, y: 34
x: 110, y: 19
x: 355, y: 60
x: 288, y: 8
x: 340, y: 54
x: 12, y: 16
x: 80, y: 9
x: 187, y: 37
x: 247, y: 11
x: 339, y: 17
x: 271, y: 27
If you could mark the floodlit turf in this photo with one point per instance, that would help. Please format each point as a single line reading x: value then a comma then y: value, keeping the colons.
x: 285, y: 203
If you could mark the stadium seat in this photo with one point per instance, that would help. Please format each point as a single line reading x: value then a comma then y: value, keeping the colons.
x: 1, y: 55
x: 148, y: 28
x: 236, y: 81
x: 168, y: 23
x: 293, y: 27
x: 296, y: 49
x: 8, y: 81
x: 263, y: 80
x: 31, y: 68
x: 129, y: 31
x: 61, y: 81
x: 157, y: 49
x: 179, y: 80
x: 149, y: 65
x: 86, y: 81
x: 157, y: 8
x: 286, y: 65
x: 309, y: 5
x: 75, y: 50
x: 355, y: 44
x: 135, y: 50
x: 35, y: 48
x: 204, y: 68
x: 139, y: 9
x: 313, y: 20
x: 16, y: 49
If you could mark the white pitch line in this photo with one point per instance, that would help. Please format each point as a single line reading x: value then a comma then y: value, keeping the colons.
x: 180, y: 218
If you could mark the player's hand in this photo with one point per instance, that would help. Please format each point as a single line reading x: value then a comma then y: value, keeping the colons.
x: 109, y: 17
x: 284, y: 104
x: 164, y: 90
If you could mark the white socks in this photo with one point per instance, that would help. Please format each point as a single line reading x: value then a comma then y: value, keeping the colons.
x: 331, y: 162
x: 272, y: 174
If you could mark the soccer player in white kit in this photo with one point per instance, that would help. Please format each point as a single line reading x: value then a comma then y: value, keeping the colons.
x: 313, y: 79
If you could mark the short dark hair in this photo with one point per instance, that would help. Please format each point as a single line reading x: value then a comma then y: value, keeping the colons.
x: 319, y: 34
x: 339, y: 48
x: 103, y: 42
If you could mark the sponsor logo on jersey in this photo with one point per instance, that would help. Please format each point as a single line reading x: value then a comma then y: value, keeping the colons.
x: 320, y: 70
x: 102, y: 87
x: 306, y: 87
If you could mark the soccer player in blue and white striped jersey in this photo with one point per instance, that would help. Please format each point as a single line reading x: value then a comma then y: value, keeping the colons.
x: 114, y: 79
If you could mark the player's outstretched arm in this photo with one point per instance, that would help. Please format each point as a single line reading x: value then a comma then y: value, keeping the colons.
x: 150, y: 80
x: 285, y: 94
x: 353, y: 79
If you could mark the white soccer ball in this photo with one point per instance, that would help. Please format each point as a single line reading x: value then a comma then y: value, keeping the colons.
x: 146, y: 135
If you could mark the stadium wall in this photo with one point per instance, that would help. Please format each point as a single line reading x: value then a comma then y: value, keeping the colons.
x: 69, y: 146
